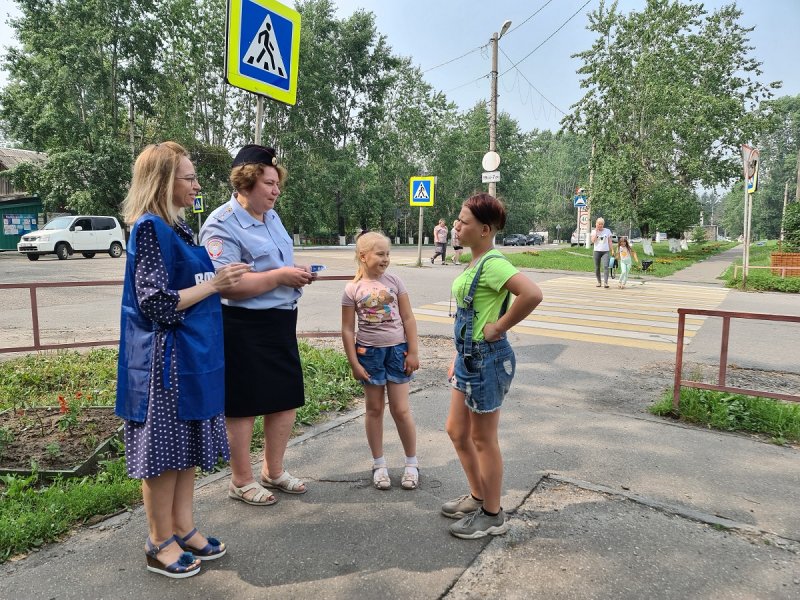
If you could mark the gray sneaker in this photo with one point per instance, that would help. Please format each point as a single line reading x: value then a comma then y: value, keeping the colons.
x: 479, y: 524
x: 461, y: 507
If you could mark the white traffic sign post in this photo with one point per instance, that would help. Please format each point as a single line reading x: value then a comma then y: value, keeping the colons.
x: 490, y: 163
x: 262, y: 51
x: 750, y: 158
x: 421, y: 193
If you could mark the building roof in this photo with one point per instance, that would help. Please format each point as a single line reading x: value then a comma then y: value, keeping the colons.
x: 11, y: 157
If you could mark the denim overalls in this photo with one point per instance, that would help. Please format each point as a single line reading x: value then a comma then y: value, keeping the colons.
x: 483, y: 370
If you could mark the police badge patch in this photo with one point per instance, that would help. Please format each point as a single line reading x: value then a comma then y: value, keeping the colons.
x: 214, y: 247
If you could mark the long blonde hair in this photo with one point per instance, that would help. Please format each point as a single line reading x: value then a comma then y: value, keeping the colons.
x: 153, y: 183
x: 365, y: 243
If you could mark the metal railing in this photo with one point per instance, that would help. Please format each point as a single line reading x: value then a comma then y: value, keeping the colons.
x: 34, y: 306
x: 723, y: 354
x: 776, y: 268
x: 37, y: 345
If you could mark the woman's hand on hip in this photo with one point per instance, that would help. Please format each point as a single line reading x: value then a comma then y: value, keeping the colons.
x: 492, y: 332
x: 229, y: 276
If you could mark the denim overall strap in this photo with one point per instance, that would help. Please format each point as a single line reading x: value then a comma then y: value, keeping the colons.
x: 470, y: 313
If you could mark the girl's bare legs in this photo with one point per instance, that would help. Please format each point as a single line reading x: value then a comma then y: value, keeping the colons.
x: 459, y: 428
x: 277, y: 431
x: 403, y: 419
x: 484, y: 437
x: 373, y: 418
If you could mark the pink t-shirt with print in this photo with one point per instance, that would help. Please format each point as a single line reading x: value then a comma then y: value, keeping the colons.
x: 377, y: 310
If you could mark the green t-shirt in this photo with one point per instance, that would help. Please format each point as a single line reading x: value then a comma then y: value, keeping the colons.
x: 489, y: 295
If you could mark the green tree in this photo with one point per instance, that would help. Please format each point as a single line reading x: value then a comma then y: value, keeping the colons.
x: 670, y: 96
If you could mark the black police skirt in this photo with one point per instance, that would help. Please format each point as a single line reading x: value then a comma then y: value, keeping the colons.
x: 263, y: 374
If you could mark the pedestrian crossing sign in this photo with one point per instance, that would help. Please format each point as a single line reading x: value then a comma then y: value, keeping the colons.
x: 422, y: 190
x: 198, y: 204
x: 262, y: 48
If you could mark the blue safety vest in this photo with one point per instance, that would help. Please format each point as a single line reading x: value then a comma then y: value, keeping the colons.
x: 197, y: 340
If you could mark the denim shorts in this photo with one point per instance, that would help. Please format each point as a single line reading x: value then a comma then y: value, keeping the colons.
x: 384, y: 364
x: 485, y: 378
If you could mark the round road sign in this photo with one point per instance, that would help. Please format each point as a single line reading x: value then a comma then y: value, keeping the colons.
x: 491, y: 160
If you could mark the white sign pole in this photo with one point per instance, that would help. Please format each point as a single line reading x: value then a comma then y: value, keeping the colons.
x: 259, y: 117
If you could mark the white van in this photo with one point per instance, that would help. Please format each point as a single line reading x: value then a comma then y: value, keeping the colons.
x: 63, y: 236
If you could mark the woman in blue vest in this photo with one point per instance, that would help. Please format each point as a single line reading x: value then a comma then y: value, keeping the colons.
x: 170, y: 387
x: 264, y: 375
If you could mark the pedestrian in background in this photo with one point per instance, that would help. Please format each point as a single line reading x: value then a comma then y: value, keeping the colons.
x: 484, y: 365
x: 170, y: 376
x: 440, y: 239
x: 603, y: 249
x: 384, y: 353
x: 263, y: 374
x: 624, y: 253
x: 457, y: 247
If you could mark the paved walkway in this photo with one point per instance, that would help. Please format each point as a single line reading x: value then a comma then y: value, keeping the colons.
x: 605, y: 502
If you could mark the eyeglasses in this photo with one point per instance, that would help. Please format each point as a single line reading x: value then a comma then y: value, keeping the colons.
x: 189, y: 178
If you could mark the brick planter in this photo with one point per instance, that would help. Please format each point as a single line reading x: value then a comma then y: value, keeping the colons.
x: 785, y: 259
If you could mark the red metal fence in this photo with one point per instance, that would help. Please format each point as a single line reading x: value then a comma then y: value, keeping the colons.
x: 34, y: 305
x: 723, y: 354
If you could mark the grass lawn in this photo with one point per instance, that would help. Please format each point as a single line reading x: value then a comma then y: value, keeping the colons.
x: 762, y: 279
x: 33, y: 511
x: 735, y: 412
x: 580, y: 258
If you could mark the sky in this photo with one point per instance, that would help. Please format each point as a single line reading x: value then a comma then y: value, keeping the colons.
x: 543, y: 86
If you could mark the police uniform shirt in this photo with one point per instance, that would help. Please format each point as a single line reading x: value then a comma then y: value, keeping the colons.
x: 231, y: 235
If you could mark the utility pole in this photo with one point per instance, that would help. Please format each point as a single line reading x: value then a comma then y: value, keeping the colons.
x: 493, y: 99
x: 783, y: 214
x: 797, y: 189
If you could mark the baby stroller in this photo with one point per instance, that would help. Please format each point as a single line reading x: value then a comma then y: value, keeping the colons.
x: 646, y: 264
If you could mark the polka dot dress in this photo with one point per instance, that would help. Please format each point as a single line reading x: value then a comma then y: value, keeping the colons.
x: 165, y: 442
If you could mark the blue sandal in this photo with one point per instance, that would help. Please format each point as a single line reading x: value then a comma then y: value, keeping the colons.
x: 213, y: 550
x: 185, y: 566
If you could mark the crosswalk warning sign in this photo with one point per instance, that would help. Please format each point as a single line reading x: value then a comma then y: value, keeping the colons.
x: 262, y: 48
x: 264, y: 51
x: 421, y: 191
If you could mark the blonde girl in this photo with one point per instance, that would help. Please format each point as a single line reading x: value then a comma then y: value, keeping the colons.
x: 624, y: 253
x: 383, y: 354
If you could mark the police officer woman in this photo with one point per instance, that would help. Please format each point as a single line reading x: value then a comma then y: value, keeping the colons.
x: 263, y: 375
x: 170, y: 374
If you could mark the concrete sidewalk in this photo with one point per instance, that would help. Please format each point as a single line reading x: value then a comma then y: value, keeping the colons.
x: 603, y: 504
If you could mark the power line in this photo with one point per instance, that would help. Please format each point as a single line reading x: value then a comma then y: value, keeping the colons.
x: 513, y: 29
x: 530, y: 84
x: 468, y: 52
x: 548, y: 37
x: 455, y: 59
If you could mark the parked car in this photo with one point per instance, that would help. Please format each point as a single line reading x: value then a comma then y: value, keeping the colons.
x: 63, y: 236
x: 574, y: 241
x: 534, y: 238
x: 515, y: 239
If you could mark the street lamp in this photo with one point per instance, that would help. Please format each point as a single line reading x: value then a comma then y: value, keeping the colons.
x: 493, y: 100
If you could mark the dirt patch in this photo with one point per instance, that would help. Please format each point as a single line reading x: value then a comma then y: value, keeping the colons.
x: 54, y: 440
